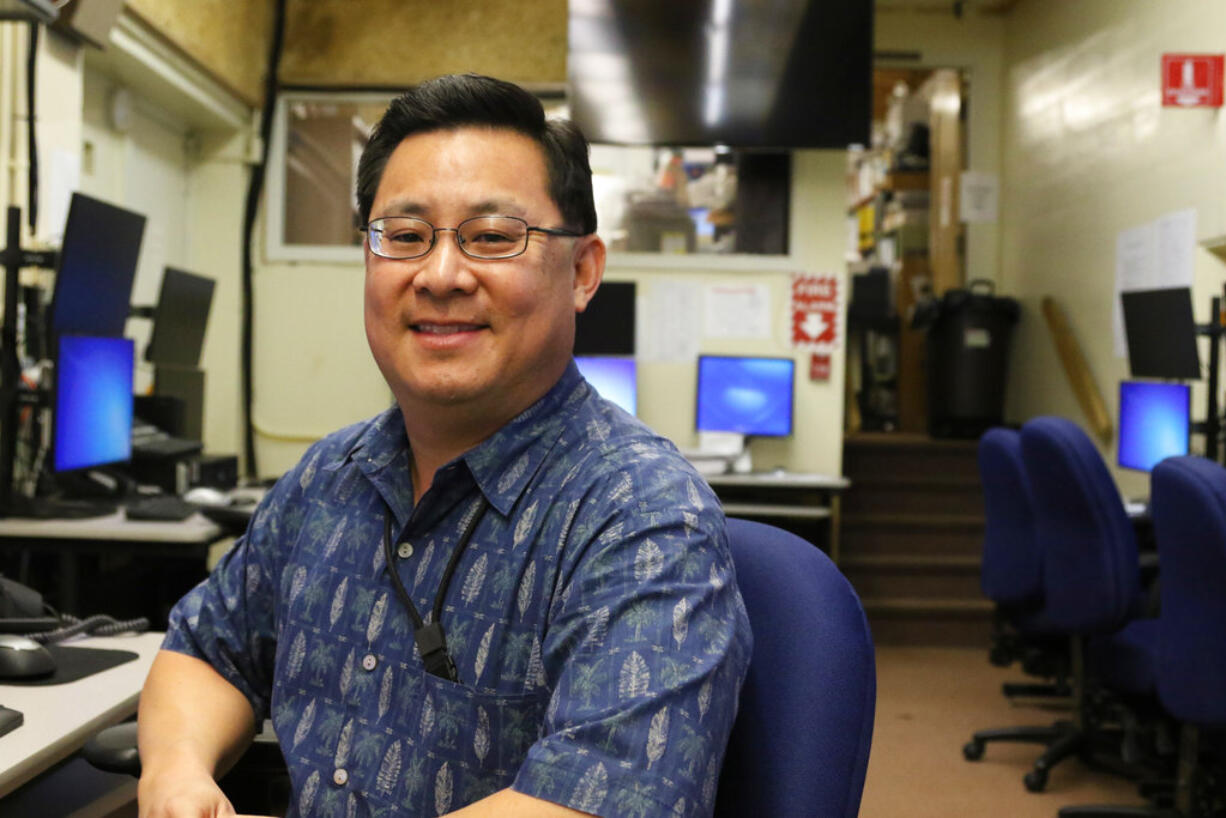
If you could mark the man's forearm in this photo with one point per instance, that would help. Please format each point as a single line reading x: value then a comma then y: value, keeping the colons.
x: 190, y: 714
x: 511, y: 804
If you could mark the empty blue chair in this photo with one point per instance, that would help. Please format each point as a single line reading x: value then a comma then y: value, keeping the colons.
x: 801, y: 740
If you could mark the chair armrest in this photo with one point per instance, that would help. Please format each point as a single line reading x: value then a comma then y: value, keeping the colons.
x: 114, y: 750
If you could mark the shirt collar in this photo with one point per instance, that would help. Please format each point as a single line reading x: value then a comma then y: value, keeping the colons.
x: 501, y: 465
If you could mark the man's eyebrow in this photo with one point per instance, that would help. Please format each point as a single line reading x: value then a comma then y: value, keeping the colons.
x: 404, y: 207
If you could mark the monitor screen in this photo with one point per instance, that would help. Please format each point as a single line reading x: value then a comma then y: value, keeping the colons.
x: 752, y: 396
x: 180, y: 318
x: 92, y: 417
x: 93, y: 283
x: 613, y: 377
x: 606, y: 327
x: 1161, y: 334
x: 1154, y: 423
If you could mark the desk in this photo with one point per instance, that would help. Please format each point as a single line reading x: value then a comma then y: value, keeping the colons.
x: 184, y: 540
x: 784, y: 496
x: 59, y: 719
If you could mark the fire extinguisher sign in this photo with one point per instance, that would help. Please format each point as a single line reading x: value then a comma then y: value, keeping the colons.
x: 817, y: 314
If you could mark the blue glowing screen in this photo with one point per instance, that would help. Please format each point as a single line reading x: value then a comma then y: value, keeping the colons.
x: 613, y: 377
x: 1153, y: 423
x: 752, y: 396
x: 93, y: 402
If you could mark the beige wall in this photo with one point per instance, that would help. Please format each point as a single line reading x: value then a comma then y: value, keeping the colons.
x: 1089, y: 151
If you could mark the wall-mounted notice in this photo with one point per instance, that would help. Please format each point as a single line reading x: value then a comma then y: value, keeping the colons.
x: 1152, y: 256
x: 817, y: 312
x: 738, y: 311
x: 669, y: 327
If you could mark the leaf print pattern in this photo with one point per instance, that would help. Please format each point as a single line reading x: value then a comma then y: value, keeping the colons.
x: 524, y: 527
x: 389, y: 770
x: 334, y: 541
x: 681, y: 625
x: 347, y: 674
x: 481, y: 738
x: 342, y: 746
x: 376, y: 619
x: 514, y: 473
x: 426, y: 557
x: 306, y: 799
x: 704, y: 699
x: 297, y: 653
x: 300, y: 577
x: 648, y: 562
x: 427, y: 717
x: 338, y: 602
x: 657, y: 737
x: 442, y: 789
x: 592, y: 788
x: 483, y: 652
x: 385, y: 692
x: 634, y: 678
x: 474, y: 581
x: 525, y: 589
x: 304, y: 724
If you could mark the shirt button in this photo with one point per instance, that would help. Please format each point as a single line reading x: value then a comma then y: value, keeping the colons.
x: 405, y: 550
x: 340, y: 776
x: 369, y: 661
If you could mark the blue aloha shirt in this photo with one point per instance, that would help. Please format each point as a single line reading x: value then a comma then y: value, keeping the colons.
x: 594, y: 618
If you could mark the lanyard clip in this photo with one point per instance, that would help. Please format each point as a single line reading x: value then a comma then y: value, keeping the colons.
x: 432, y: 645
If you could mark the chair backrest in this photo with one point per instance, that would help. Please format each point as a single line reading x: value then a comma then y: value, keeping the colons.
x: 802, y: 734
x: 1012, y: 569
x: 1188, y: 502
x: 1091, y: 580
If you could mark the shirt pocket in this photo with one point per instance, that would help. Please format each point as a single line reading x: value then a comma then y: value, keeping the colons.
x: 473, y: 741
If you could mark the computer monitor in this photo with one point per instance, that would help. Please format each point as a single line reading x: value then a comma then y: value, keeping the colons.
x: 1154, y: 423
x: 614, y: 377
x: 606, y: 327
x: 93, y: 283
x: 180, y: 318
x: 92, y: 402
x: 1161, y: 333
x: 749, y: 396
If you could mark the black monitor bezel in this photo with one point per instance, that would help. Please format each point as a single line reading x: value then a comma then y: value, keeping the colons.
x: 1160, y: 312
x: 163, y: 312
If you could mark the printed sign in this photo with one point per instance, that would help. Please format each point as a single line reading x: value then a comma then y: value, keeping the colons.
x: 819, y: 367
x: 1192, y: 80
x: 816, y: 312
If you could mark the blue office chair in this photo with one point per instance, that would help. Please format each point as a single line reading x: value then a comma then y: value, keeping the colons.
x: 1011, y: 575
x: 1091, y: 577
x: 1188, y: 499
x: 801, y: 739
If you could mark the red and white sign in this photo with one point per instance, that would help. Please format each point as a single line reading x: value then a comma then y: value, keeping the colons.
x: 816, y: 312
x: 819, y: 367
x: 1192, y: 80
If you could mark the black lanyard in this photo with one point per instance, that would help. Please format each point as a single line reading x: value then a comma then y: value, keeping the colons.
x: 431, y: 642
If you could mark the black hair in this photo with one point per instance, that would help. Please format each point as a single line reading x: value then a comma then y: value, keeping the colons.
x: 459, y: 100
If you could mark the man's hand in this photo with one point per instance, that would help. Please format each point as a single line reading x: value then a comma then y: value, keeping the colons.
x: 181, y: 790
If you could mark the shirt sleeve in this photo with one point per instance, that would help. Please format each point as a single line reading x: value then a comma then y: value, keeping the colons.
x: 229, y: 620
x: 646, y: 649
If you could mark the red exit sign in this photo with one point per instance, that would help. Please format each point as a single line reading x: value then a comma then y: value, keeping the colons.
x: 1192, y: 80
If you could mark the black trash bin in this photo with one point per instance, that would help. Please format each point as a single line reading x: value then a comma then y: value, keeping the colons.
x: 968, y: 351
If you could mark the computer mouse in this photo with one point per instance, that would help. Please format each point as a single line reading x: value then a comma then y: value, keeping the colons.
x: 207, y: 496
x: 22, y: 658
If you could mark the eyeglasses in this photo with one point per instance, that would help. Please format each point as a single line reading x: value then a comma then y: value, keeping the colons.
x: 481, y: 237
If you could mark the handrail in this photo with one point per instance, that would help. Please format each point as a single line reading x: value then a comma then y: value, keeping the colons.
x: 1078, y: 371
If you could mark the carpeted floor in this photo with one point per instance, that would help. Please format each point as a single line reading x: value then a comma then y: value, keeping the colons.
x: 929, y: 702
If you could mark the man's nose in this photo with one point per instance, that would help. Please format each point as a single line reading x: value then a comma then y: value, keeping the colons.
x: 445, y: 269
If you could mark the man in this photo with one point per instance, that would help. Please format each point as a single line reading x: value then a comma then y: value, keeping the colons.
x: 587, y: 657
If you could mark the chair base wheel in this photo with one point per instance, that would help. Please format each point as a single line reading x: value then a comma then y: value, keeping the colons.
x: 972, y: 750
x: 1035, y: 780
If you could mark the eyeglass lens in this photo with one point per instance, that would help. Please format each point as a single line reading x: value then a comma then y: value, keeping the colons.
x: 405, y: 237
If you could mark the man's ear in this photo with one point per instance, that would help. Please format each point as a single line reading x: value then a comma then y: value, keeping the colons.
x: 589, y: 269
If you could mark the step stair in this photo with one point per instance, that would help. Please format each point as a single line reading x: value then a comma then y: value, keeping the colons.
x: 911, y: 537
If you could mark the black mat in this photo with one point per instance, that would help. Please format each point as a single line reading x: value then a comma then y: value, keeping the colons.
x: 76, y: 663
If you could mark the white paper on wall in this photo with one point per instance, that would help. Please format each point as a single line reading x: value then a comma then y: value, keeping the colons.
x: 737, y: 311
x: 1152, y: 256
x: 670, y: 327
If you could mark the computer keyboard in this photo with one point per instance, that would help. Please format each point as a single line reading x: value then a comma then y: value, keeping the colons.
x: 159, y: 507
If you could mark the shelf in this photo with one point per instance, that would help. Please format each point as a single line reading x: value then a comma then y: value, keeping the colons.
x: 768, y: 510
x: 1216, y: 245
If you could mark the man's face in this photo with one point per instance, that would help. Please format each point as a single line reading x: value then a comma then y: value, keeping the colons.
x: 451, y: 331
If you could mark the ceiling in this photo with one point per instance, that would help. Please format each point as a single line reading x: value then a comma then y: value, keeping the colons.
x: 952, y: 7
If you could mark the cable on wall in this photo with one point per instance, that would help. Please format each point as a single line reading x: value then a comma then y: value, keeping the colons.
x: 32, y: 173
x: 254, y: 189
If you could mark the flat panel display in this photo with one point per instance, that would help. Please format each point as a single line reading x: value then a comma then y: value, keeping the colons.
x: 93, y: 283
x: 180, y: 318
x: 1161, y: 333
x: 615, y: 378
x: 751, y: 396
x: 606, y: 327
x: 1154, y: 423
x: 92, y: 418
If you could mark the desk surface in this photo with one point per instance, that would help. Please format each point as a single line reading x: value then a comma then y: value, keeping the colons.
x: 195, y: 529
x: 782, y: 479
x: 61, y: 718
